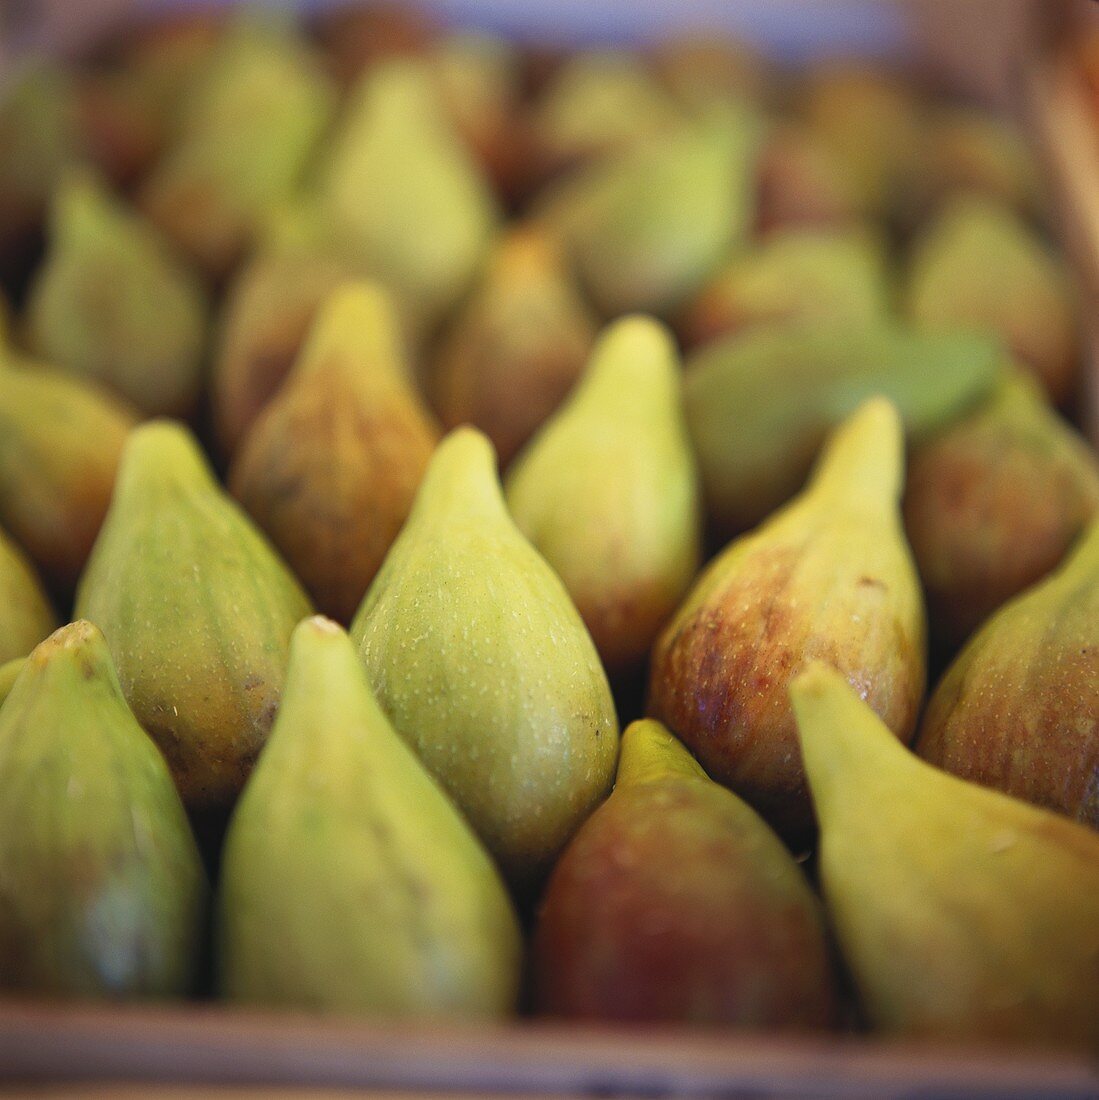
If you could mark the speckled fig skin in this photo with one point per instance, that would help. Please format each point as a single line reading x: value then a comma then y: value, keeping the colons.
x: 993, y: 503
x: 25, y: 613
x: 198, y: 610
x: 269, y: 311
x: 1019, y: 708
x: 608, y: 493
x: 964, y: 915
x: 350, y: 881
x: 332, y: 466
x: 104, y: 891
x: 61, y: 440
x: 674, y: 903
x: 481, y: 661
x: 830, y: 577
x: 517, y: 346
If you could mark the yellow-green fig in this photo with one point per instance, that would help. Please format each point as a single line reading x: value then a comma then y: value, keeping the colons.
x: 993, y: 503
x: 104, y: 893
x: 647, y: 226
x: 60, y: 443
x: 979, y: 265
x: 252, y: 122
x: 963, y: 914
x: 350, y: 882
x: 675, y: 903
x: 517, y: 345
x: 1019, y: 707
x: 608, y: 493
x: 403, y: 193
x: 794, y: 275
x: 760, y: 403
x: 25, y: 613
x: 598, y: 102
x: 112, y: 303
x: 332, y: 465
x: 197, y: 609
x: 483, y: 664
x: 828, y: 577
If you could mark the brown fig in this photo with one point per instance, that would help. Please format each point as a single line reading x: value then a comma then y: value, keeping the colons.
x: 1019, y: 708
x: 993, y: 503
x: 518, y: 345
x: 331, y: 467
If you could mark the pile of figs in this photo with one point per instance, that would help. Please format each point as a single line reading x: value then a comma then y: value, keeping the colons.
x: 596, y: 535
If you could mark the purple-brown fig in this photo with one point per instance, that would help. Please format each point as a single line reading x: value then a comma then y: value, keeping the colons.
x: 1019, y: 708
x: 331, y: 467
x: 676, y: 904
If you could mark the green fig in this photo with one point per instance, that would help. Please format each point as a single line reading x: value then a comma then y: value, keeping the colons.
x: 675, y: 903
x: 802, y: 183
x: 517, y: 346
x: 25, y: 613
x: 197, y: 609
x: 979, y: 265
x: 110, y: 302
x: 608, y: 493
x: 700, y: 69
x: 993, y: 503
x: 104, y: 893
x: 484, y: 666
x: 830, y: 576
x: 598, y: 102
x: 963, y: 914
x: 404, y: 194
x: 794, y: 275
x: 350, y: 882
x: 332, y: 465
x: 269, y: 309
x: 39, y: 137
x: 9, y: 673
x: 60, y: 443
x: 253, y: 120
x: 1019, y: 707
x: 759, y: 404
x: 646, y: 227
x: 873, y: 122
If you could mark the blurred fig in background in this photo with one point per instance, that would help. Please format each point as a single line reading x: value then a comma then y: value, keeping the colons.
x: 978, y: 265
x: 403, y: 194
x: 648, y: 225
x: 597, y: 103
x: 608, y: 493
x: 248, y: 132
x: 993, y: 503
x: 674, y: 903
x: 121, y: 128
x: 1019, y: 708
x: 104, y: 891
x: 331, y: 466
x: 517, y: 345
x: 25, y: 613
x: 700, y: 69
x: 112, y: 303
x: 873, y: 120
x: 759, y: 405
x: 197, y: 609
x: 60, y: 443
x: 480, y: 79
x: 803, y: 182
x: 836, y: 275
x: 828, y: 577
x: 356, y: 35
x: 39, y: 137
x: 267, y: 310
